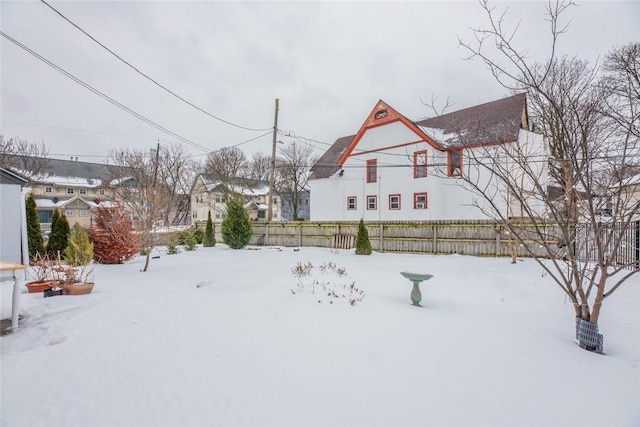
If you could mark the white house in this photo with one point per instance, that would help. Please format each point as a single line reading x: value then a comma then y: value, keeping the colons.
x: 74, y: 188
x: 397, y: 169
x: 209, y: 195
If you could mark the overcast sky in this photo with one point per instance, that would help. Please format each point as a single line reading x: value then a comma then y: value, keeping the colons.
x: 327, y: 62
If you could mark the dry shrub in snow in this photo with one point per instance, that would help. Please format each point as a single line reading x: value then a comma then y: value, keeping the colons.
x: 114, y: 241
x: 327, y: 283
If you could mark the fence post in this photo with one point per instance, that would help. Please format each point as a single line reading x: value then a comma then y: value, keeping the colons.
x: 637, y: 244
x: 380, y: 238
x: 435, y: 238
x: 498, y: 234
x: 299, y: 233
x: 266, y: 234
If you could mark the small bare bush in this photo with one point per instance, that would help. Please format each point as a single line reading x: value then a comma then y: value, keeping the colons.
x: 328, y: 283
x: 302, y: 270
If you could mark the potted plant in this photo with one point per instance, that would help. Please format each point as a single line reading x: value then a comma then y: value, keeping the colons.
x: 77, y: 274
x: 42, y: 273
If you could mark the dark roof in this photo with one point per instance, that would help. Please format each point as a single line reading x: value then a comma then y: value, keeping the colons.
x: 493, y: 122
x: 10, y: 177
x: 76, y: 169
x: 327, y: 163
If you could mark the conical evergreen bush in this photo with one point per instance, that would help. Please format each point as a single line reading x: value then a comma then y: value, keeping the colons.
x: 363, y: 245
x: 208, y: 240
x: 79, y: 249
x: 34, y: 232
x: 59, y: 235
x: 236, y: 227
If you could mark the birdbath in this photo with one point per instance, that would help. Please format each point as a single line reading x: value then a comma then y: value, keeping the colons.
x: 416, y: 278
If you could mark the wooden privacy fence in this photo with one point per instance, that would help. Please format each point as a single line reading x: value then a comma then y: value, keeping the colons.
x: 478, y: 237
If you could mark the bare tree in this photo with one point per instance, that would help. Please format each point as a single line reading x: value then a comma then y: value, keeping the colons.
x: 259, y: 167
x: 227, y: 166
x: 29, y: 159
x: 176, y: 170
x: 292, y: 172
x: 622, y: 83
x: 137, y: 187
x: 576, y: 216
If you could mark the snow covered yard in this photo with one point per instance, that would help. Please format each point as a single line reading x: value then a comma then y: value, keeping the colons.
x: 216, y: 337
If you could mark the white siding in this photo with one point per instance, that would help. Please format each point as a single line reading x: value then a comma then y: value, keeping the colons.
x: 10, y: 222
x: 448, y: 197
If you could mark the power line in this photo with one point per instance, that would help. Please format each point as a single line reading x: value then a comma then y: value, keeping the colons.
x: 149, y: 78
x: 233, y: 146
x: 102, y: 95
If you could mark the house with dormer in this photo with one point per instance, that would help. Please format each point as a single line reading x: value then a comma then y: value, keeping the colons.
x: 394, y: 168
x: 210, y: 195
x: 74, y: 188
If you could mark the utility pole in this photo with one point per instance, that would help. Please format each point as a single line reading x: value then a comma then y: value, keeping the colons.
x: 149, y: 219
x: 273, y: 163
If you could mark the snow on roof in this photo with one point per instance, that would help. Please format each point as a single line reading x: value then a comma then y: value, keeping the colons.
x: 68, y: 180
x: 108, y: 204
x: 118, y: 181
x: 438, y: 135
x: 260, y: 190
x: 633, y: 180
x: 50, y: 204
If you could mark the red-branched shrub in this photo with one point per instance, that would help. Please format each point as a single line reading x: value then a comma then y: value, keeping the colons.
x: 114, y: 241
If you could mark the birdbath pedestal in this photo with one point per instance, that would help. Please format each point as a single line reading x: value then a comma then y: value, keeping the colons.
x: 416, y: 278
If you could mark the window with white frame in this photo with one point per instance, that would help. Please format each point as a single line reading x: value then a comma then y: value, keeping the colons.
x: 68, y: 212
x: 394, y: 202
x: 352, y: 204
x: 101, y: 192
x: 84, y: 212
x: 372, y: 203
x: 48, y: 190
x: 70, y: 190
x: 82, y: 191
x: 419, y: 200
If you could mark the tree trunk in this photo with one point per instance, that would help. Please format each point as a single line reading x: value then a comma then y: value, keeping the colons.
x: 597, y: 304
x: 146, y: 262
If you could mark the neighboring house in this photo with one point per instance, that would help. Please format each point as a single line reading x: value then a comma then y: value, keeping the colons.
x: 74, y: 188
x: 303, y: 205
x: 12, y: 218
x: 209, y: 195
x: 629, y: 194
x: 397, y: 169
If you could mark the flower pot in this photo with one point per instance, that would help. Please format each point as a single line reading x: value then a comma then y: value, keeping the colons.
x: 37, y: 287
x: 78, y: 288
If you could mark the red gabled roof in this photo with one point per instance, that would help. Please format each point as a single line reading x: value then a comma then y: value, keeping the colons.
x: 382, y: 114
x: 493, y: 122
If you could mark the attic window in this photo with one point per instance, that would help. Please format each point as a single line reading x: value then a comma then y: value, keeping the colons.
x: 381, y: 114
